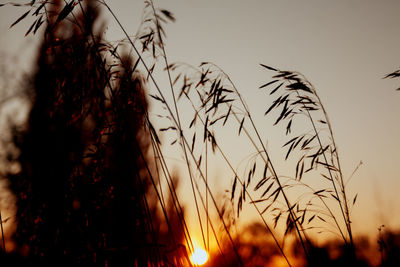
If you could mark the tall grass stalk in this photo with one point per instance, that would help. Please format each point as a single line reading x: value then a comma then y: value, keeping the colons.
x: 177, y: 124
x: 164, y: 55
x: 272, y: 168
x: 298, y: 96
x: 345, y: 213
x: 224, y: 99
x: 236, y: 175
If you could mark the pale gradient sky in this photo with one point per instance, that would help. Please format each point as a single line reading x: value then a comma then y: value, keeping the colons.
x: 344, y: 48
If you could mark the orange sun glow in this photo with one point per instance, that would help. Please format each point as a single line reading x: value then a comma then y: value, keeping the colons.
x: 199, y: 256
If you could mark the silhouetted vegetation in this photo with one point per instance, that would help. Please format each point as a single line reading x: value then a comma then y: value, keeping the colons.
x: 91, y: 172
x: 84, y: 154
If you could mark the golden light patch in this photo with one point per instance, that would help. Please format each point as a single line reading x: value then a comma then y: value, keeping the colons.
x: 199, y: 256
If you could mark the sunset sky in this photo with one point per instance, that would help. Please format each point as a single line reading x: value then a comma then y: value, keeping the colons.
x: 344, y: 48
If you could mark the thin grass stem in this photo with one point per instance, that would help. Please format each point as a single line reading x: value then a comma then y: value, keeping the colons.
x: 178, y: 119
x: 2, y: 233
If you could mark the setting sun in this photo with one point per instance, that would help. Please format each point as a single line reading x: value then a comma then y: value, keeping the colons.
x: 199, y: 256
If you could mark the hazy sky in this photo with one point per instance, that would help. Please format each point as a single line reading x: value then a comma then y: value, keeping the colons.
x: 344, y: 48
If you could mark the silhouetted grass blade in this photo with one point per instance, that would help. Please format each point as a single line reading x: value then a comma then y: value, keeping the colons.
x: 269, y: 83
x: 234, y: 188
x: 20, y: 18
x: 65, y: 11
x: 267, y: 67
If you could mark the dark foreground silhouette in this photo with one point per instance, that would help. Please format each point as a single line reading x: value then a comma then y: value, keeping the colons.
x: 83, y: 156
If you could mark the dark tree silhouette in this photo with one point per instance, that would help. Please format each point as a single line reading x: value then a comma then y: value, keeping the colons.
x: 84, y: 174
